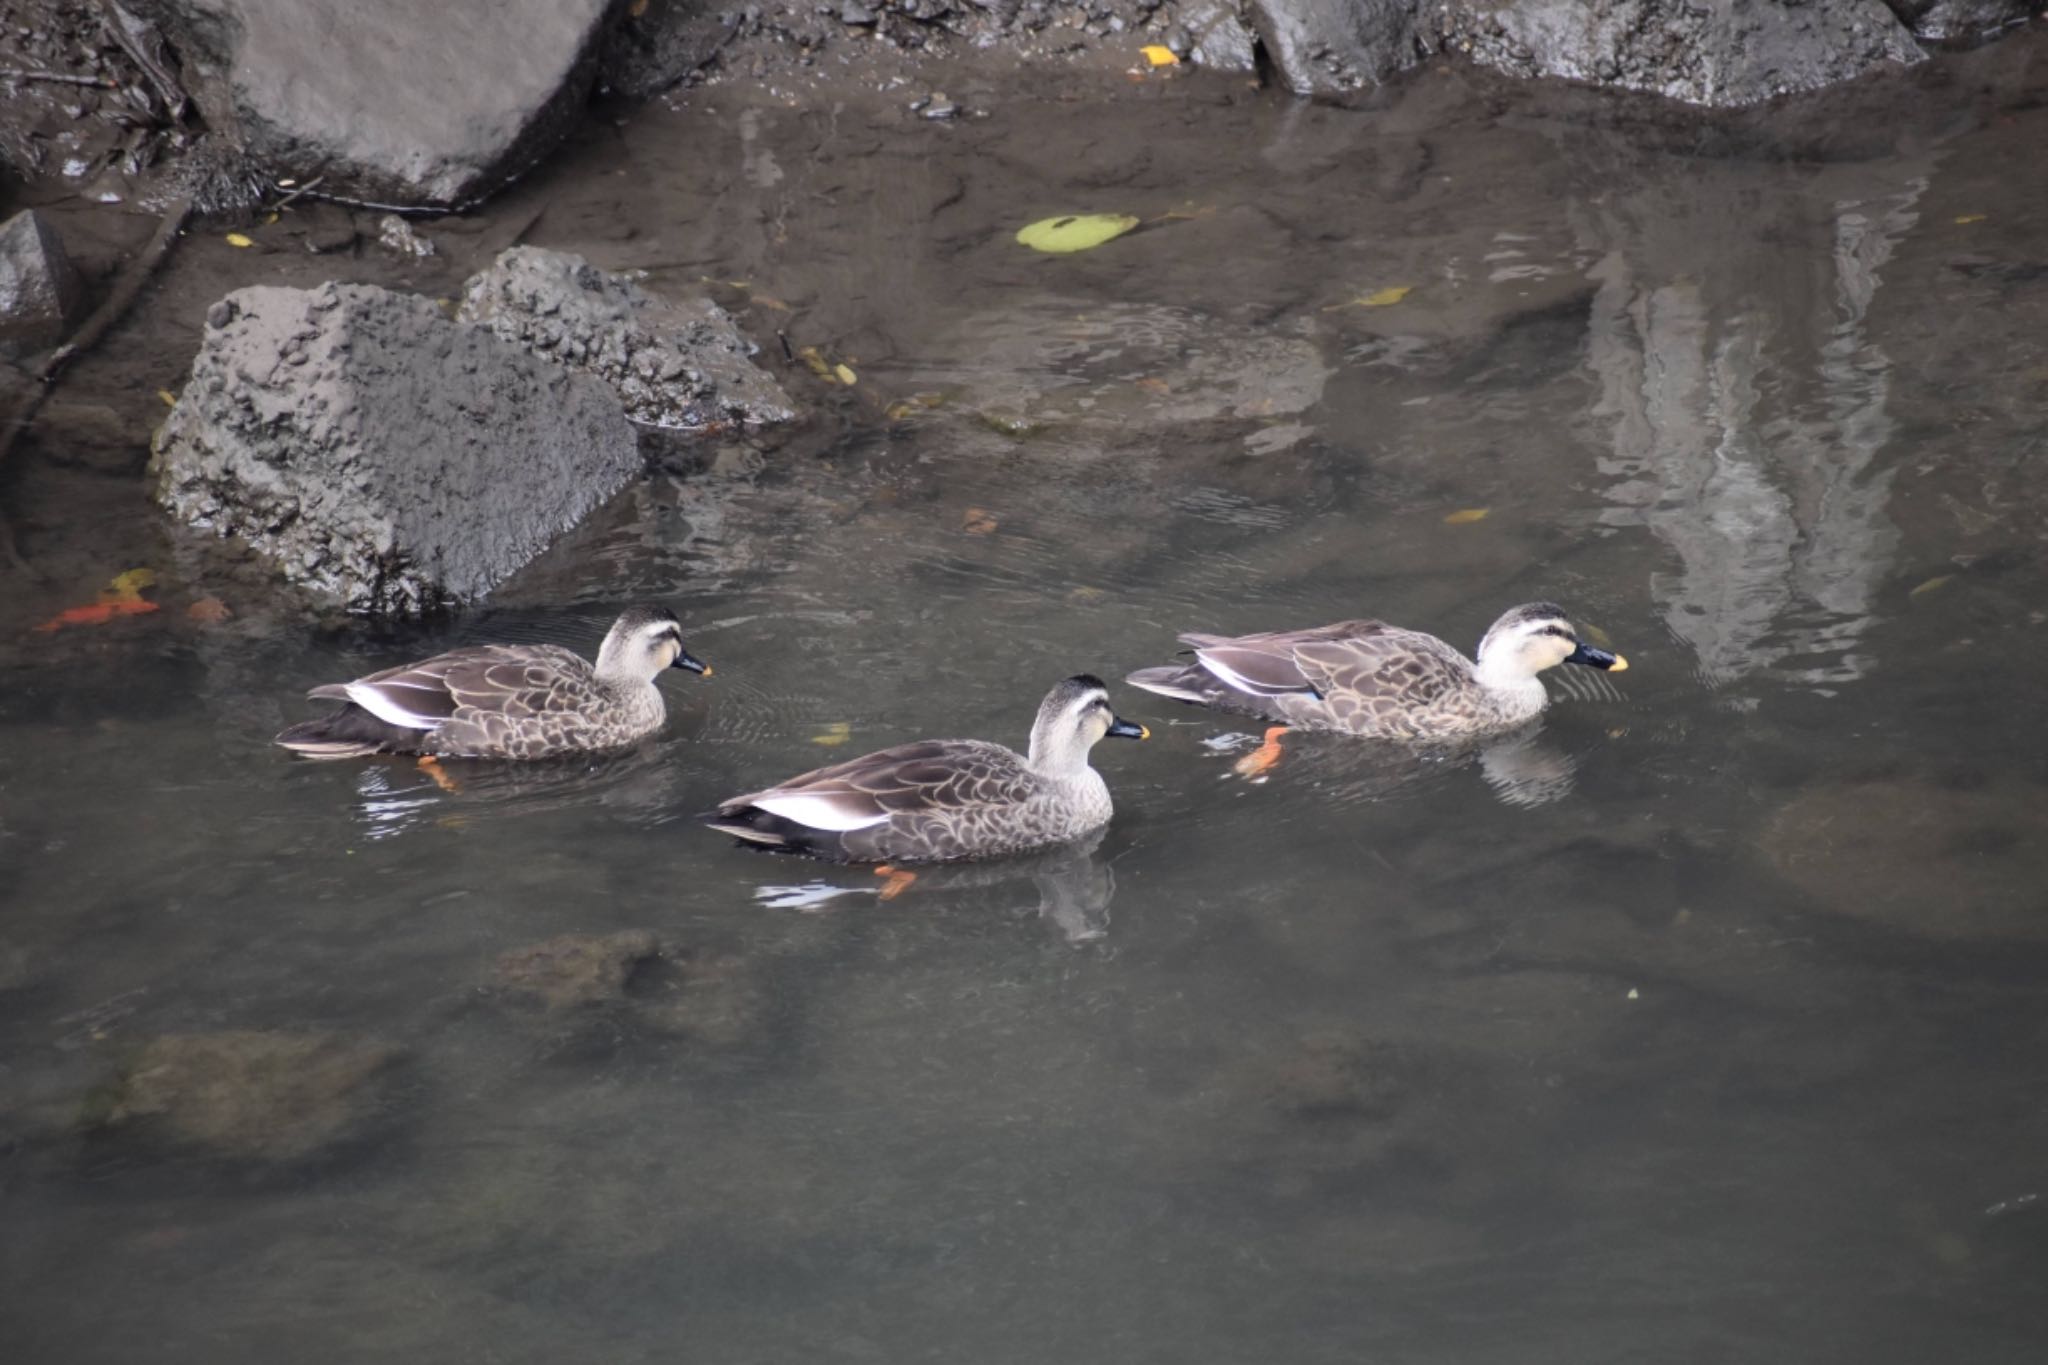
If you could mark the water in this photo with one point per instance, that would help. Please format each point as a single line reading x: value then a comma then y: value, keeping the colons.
x: 1703, y: 1025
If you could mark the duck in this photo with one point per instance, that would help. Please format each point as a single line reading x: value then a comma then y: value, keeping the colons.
x: 505, y: 701
x: 1369, y: 678
x: 945, y: 800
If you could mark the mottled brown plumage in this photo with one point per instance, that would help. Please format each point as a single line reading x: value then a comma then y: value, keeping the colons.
x: 1369, y: 678
x: 938, y: 800
x: 505, y: 701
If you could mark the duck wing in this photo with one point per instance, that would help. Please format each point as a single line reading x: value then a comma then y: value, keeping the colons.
x: 1383, y: 665
x: 466, y: 685
x: 929, y: 775
x: 1280, y: 663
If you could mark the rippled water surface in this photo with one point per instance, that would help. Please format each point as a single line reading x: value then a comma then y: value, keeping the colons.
x: 1706, y: 1024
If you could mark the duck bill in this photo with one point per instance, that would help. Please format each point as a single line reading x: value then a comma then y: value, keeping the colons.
x: 1596, y: 658
x: 1124, y: 729
x: 685, y: 659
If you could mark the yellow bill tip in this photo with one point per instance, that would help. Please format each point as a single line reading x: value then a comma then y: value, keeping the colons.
x: 1144, y: 732
x: 1620, y: 665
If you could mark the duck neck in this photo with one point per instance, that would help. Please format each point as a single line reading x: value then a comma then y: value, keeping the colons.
x: 1513, y: 687
x: 1056, y: 751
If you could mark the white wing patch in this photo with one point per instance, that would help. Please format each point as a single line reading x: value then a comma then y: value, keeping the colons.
x: 815, y: 811
x: 1230, y: 677
x: 387, y: 708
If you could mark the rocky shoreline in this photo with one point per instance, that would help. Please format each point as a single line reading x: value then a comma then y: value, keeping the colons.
x: 244, y: 112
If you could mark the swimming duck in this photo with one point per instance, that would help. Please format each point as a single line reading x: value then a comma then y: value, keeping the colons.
x: 505, y: 701
x: 1370, y: 678
x: 939, y: 800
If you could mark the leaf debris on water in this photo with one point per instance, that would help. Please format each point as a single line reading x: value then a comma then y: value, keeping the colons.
x: 1378, y: 298
x: 978, y: 521
x: 845, y: 375
x: 1075, y: 231
x: 170, y: 399
x: 1157, y: 55
x: 833, y: 734
x: 1963, y: 220
x: 1465, y: 516
x: 1934, y: 584
x: 240, y: 239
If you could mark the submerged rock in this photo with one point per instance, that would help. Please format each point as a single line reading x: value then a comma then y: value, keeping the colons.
x: 680, y: 366
x: 40, y: 293
x: 252, y: 1095
x: 415, y: 105
x: 576, y: 969
x: 1963, y: 861
x: 380, y: 453
x: 1721, y: 53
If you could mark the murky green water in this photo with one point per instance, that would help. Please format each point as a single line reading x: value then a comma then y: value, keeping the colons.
x: 1706, y: 1026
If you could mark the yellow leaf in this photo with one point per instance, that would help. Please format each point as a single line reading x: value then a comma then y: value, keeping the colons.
x: 170, y: 399
x: 978, y: 521
x: 845, y: 375
x: 1379, y: 298
x: 271, y: 217
x: 1075, y: 231
x: 237, y: 239
x: 1465, y: 516
x: 1931, y: 585
x: 901, y: 411
x: 1971, y: 218
x: 833, y: 735
x: 1159, y: 56
x: 810, y: 357
x: 131, y: 583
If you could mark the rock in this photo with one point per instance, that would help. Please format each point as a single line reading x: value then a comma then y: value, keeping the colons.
x: 380, y: 453
x: 1326, y: 47
x: 396, y: 236
x: 1718, y: 53
x: 1948, y: 861
x: 576, y: 969
x: 253, y: 1096
x: 676, y: 365
x: 40, y: 293
x: 416, y: 105
x: 1940, y: 20
x: 1218, y: 38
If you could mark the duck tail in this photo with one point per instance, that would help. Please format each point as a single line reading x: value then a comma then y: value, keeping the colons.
x: 759, y: 829
x: 350, y: 732
x: 1179, y: 681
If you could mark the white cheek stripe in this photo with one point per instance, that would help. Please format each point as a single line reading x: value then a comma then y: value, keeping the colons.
x: 817, y: 812
x: 381, y: 705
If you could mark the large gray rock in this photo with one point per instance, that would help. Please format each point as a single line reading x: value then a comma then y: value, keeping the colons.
x: 1938, y: 20
x: 40, y: 294
x: 1326, y: 47
x: 681, y: 366
x: 1720, y: 53
x: 391, y: 100
x: 380, y: 453
x: 1218, y: 37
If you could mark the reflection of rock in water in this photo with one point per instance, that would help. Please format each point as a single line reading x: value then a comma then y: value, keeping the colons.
x: 1746, y: 404
x: 1954, y: 862
x: 1074, y: 884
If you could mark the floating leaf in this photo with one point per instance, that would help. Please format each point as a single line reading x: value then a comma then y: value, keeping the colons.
x: 1154, y: 384
x: 1465, y: 516
x: 1969, y: 218
x: 979, y: 521
x: 271, y: 217
x: 1159, y: 56
x: 1379, y: 298
x: 208, y: 611
x: 770, y: 301
x: 131, y: 583
x: 1075, y: 231
x: 170, y: 399
x: 810, y: 357
x: 845, y: 375
x: 833, y: 735
x: 1931, y: 585
x: 238, y: 239
x: 913, y: 405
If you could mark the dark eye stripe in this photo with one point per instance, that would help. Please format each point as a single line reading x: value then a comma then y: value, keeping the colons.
x: 1559, y: 631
